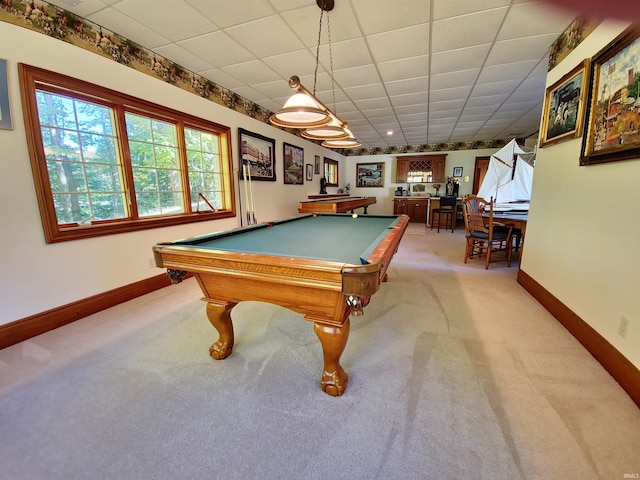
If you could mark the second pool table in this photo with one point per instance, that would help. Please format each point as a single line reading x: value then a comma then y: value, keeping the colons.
x: 323, y: 266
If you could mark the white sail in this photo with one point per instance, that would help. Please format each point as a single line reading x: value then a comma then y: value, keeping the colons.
x: 505, y: 184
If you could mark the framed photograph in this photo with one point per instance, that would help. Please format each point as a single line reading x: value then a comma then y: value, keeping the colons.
x: 5, y: 111
x: 293, y: 164
x: 309, y: 172
x: 457, y: 171
x: 370, y: 174
x: 258, y: 152
x: 613, y: 131
x: 564, y: 106
x: 317, y: 164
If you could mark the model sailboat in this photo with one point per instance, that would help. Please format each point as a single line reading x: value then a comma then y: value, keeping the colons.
x: 509, y: 178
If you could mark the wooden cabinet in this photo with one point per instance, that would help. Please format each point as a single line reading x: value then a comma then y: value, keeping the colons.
x: 421, y: 163
x: 415, y: 207
x: 402, y: 170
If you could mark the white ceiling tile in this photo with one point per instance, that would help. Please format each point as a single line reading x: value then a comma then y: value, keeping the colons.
x: 495, y: 88
x: 459, y: 78
x: 346, y: 54
x: 175, y: 19
x: 497, y: 73
x: 459, y: 59
x: 218, y: 11
x: 370, y: 103
x: 411, y: 108
x: 217, y: 48
x: 299, y: 63
x: 281, y: 38
x: 251, y: 72
x: 377, y: 16
x: 365, y: 91
x: 458, y: 93
x: 529, y: 48
x: 356, y: 76
x: 406, y: 87
x: 404, y: 68
x: 305, y: 22
x: 184, y: 58
x: 466, y: 31
x: 533, y: 19
x: 410, y: 99
x: 129, y: 28
x: 452, y: 8
x: 401, y: 43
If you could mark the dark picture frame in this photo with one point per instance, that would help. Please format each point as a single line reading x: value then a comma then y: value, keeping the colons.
x: 370, y: 175
x: 317, y: 165
x: 457, y: 171
x: 5, y: 110
x: 564, y: 106
x: 258, y: 152
x: 293, y: 164
x: 309, y: 172
x: 613, y: 127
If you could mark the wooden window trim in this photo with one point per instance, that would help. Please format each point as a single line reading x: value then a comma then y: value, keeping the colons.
x: 328, y: 161
x: 31, y: 77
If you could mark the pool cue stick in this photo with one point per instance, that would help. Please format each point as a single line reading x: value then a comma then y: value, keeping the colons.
x: 246, y: 193
x: 253, y: 205
x: 205, y: 201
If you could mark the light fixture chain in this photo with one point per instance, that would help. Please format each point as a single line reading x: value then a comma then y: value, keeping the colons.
x: 315, y: 73
x: 333, y: 82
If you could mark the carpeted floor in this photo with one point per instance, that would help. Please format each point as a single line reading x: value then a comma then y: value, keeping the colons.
x: 455, y: 372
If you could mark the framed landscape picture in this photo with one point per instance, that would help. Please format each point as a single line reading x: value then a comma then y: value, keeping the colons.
x: 613, y: 131
x: 564, y: 106
x: 293, y: 164
x: 258, y: 152
x: 370, y: 174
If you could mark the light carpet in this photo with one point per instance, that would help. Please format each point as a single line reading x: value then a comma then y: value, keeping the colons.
x: 455, y: 372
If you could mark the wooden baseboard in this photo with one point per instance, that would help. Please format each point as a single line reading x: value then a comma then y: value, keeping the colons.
x: 28, y: 327
x: 620, y: 368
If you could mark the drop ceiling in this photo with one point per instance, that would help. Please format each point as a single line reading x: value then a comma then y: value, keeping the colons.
x: 430, y: 71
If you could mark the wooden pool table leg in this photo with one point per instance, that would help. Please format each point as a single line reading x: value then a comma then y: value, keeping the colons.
x: 219, y: 315
x: 333, y: 340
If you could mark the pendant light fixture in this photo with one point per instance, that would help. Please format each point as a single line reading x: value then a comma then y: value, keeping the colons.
x: 303, y: 110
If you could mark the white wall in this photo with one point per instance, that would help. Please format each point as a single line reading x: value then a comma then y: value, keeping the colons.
x: 583, y: 235
x: 37, y: 277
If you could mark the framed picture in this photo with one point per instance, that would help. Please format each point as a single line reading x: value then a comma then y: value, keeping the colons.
x: 5, y: 112
x: 309, y: 172
x: 258, y: 152
x: 370, y: 174
x: 293, y: 164
x: 564, y: 106
x: 613, y: 131
x: 317, y: 164
x: 457, y: 171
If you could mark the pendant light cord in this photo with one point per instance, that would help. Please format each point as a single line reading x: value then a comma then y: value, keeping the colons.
x: 315, y: 73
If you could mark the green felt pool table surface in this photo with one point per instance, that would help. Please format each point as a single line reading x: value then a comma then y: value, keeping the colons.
x: 330, y: 237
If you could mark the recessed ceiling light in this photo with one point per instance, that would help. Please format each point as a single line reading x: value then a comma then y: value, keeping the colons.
x: 389, y: 132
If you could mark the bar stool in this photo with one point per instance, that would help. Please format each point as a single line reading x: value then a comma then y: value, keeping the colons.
x: 448, y: 207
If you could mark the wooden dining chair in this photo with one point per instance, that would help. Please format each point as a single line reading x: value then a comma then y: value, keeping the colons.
x: 485, y: 237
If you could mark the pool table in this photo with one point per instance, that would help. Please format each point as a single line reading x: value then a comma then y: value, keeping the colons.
x: 336, y: 205
x: 325, y: 266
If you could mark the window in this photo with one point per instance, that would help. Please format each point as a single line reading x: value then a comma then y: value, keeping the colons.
x: 331, y: 172
x: 107, y: 163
